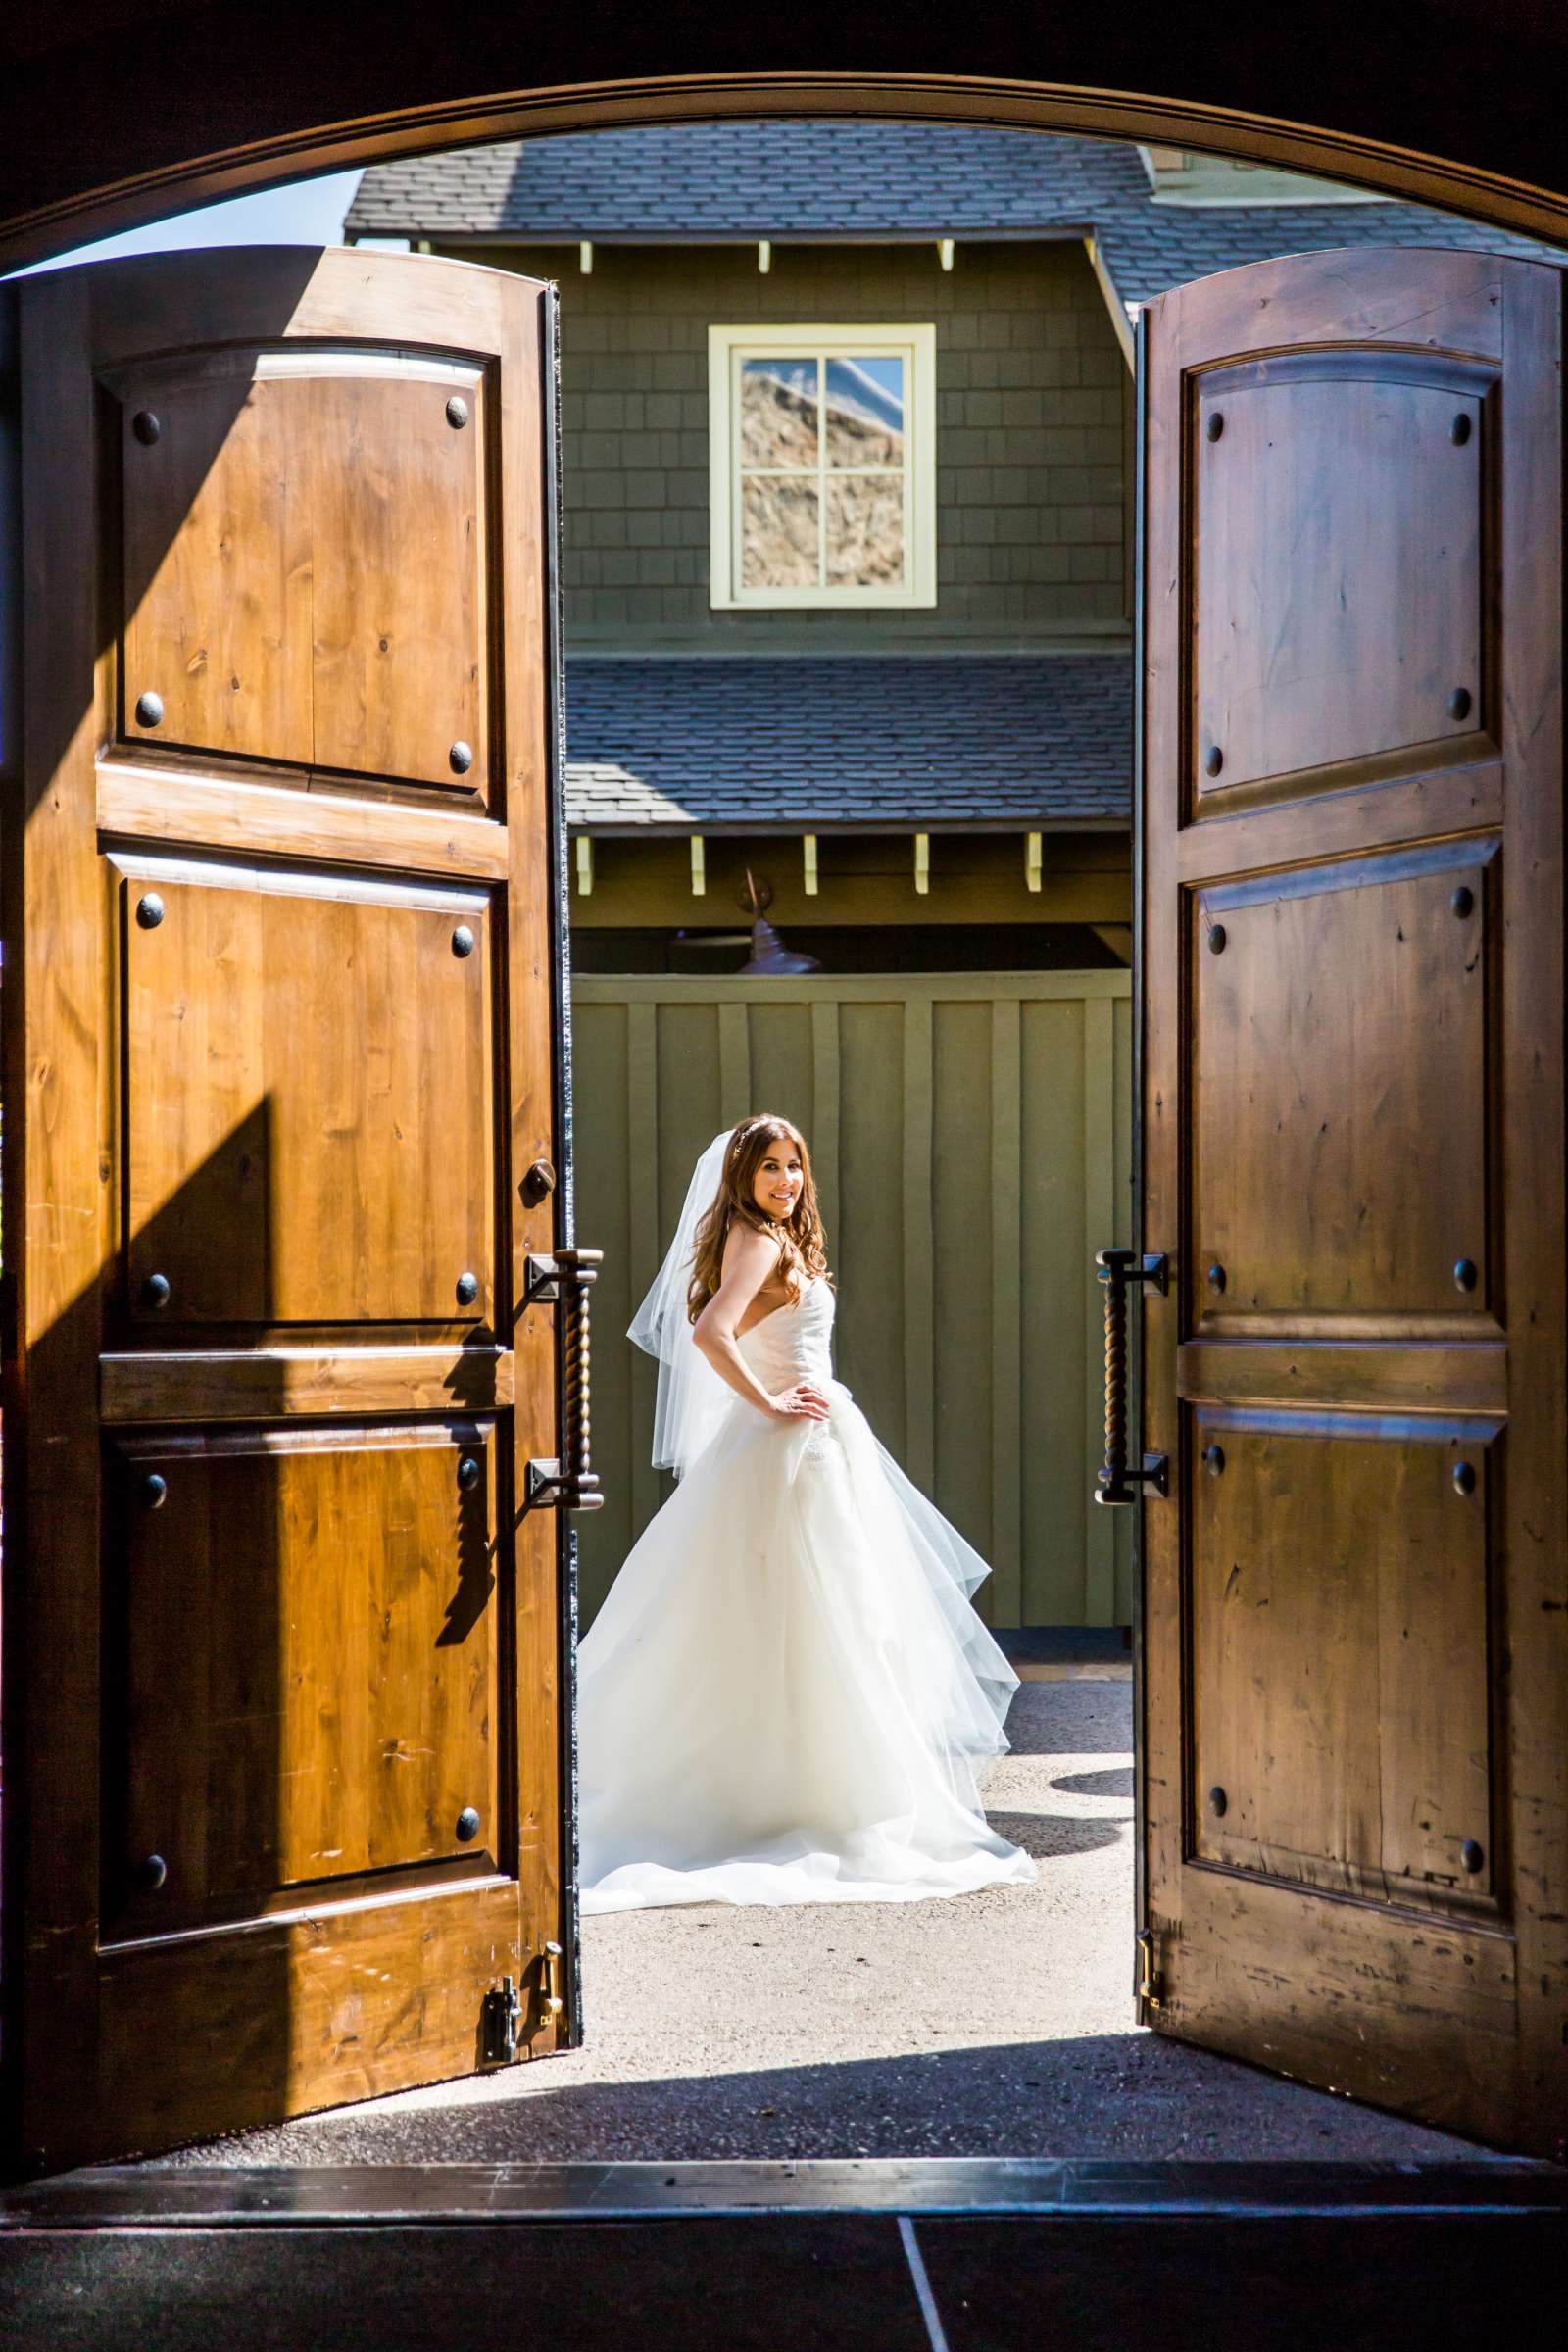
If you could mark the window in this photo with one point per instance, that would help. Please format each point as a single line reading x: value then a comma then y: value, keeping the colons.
x: 822, y: 465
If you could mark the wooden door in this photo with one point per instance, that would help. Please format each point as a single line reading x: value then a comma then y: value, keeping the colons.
x: 285, y: 1661
x: 1353, y: 1702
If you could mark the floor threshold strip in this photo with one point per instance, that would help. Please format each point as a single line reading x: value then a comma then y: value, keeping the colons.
x: 236, y: 2197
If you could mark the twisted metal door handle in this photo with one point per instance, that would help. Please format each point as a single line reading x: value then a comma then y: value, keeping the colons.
x: 567, y: 1482
x: 1116, y: 1483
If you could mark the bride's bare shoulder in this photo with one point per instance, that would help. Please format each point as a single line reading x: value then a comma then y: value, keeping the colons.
x: 749, y: 1250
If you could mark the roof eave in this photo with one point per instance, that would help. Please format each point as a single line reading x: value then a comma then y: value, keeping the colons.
x: 1050, y: 233
x: 893, y: 828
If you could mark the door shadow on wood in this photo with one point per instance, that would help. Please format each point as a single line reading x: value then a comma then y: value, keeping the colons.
x: 476, y: 1579
x: 210, y: 1246
x: 132, y: 557
x: 192, y: 1676
x: 176, y: 1795
x: 274, y: 1592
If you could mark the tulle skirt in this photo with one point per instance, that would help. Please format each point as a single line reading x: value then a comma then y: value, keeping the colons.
x: 786, y: 1696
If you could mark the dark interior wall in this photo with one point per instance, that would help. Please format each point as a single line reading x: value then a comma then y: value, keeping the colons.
x: 1030, y: 448
x: 113, y: 111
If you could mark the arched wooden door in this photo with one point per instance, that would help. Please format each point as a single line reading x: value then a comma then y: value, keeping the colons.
x: 284, y: 1647
x: 1354, y: 1841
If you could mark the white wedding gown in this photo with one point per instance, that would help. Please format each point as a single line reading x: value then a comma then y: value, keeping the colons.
x: 786, y: 1696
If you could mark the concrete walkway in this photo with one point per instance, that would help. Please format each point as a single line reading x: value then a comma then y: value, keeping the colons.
x: 993, y: 2023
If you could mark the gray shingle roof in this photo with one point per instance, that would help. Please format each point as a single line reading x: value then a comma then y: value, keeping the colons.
x: 718, y: 181
x: 796, y: 745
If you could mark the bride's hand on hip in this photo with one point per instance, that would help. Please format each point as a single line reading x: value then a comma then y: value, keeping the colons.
x: 800, y: 1401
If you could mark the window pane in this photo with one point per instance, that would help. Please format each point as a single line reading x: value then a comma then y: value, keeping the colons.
x: 778, y: 412
x: 865, y: 413
x: 778, y: 531
x: 865, y: 531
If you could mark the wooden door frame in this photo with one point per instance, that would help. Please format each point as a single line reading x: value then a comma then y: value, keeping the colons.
x: 1461, y: 186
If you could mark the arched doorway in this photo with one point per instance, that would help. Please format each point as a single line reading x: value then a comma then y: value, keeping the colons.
x: 900, y: 97
x: 213, y: 104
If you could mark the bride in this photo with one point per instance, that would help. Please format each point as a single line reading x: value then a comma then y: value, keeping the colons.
x: 786, y: 1696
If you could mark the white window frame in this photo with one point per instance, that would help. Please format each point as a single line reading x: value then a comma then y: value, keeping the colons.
x: 727, y: 348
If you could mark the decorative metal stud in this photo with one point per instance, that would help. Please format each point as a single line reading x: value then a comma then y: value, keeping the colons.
x: 460, y: 758
x: 467, y: 1825
x: 468, y: 1473
x: 1215, y: 426
x: 1459, y: 430
x: 1214, y: 762
x: 1460, y: 703
x: 149, y: 708
x: 155, y: 1291
x: 146, y: 427
x: 1464, y: 1478
x: 1217, y: 1278
x: 467, y: 1289
x: 457, y: 412
x: 1463, y: 901
x: 1472, y: 1856
x: 463, y: 941
x: 1214, y: 1460
x: 1216, y: 939
x: 153, y: 1491
x: 152, y: 1874
x: 149, y: 910
x: 1218, y: 1803
x: 1464, y: 1274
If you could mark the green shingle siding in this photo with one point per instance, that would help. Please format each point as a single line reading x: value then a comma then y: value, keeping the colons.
x: 1031, y: 384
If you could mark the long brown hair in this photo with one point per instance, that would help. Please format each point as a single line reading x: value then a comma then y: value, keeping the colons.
x: 803, y: 1251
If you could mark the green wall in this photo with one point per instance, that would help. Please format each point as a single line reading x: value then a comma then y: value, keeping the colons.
x: 973, y: 1143
x: 1031, y: 393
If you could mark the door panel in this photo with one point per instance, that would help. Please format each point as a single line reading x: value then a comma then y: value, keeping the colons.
x: 1318, y: 1112
x: 305, y: 557
x: 1354, y: 1699
x: 268, y: 1726
x: 309, y: 1097
x: 1338, y: 502
x: 1342, y: 1653
x: 287, y: 1664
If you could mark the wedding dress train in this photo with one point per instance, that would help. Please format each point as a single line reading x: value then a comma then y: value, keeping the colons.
x: 786, y: 1696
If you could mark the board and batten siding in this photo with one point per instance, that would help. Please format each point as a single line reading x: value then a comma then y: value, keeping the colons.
x: 971, y: 1139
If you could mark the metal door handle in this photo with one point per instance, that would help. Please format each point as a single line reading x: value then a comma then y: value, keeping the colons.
x: 567, y: 1483
x: 1118, y: 1270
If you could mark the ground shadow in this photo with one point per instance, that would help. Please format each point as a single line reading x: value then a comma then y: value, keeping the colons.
x: 1118, y: 1783
x: 1079, y: 1718
x: 1132, y: 2095
x: 1049, y: 1837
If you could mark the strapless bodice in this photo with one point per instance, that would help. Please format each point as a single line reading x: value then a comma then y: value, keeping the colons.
x: 794, y: 1342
